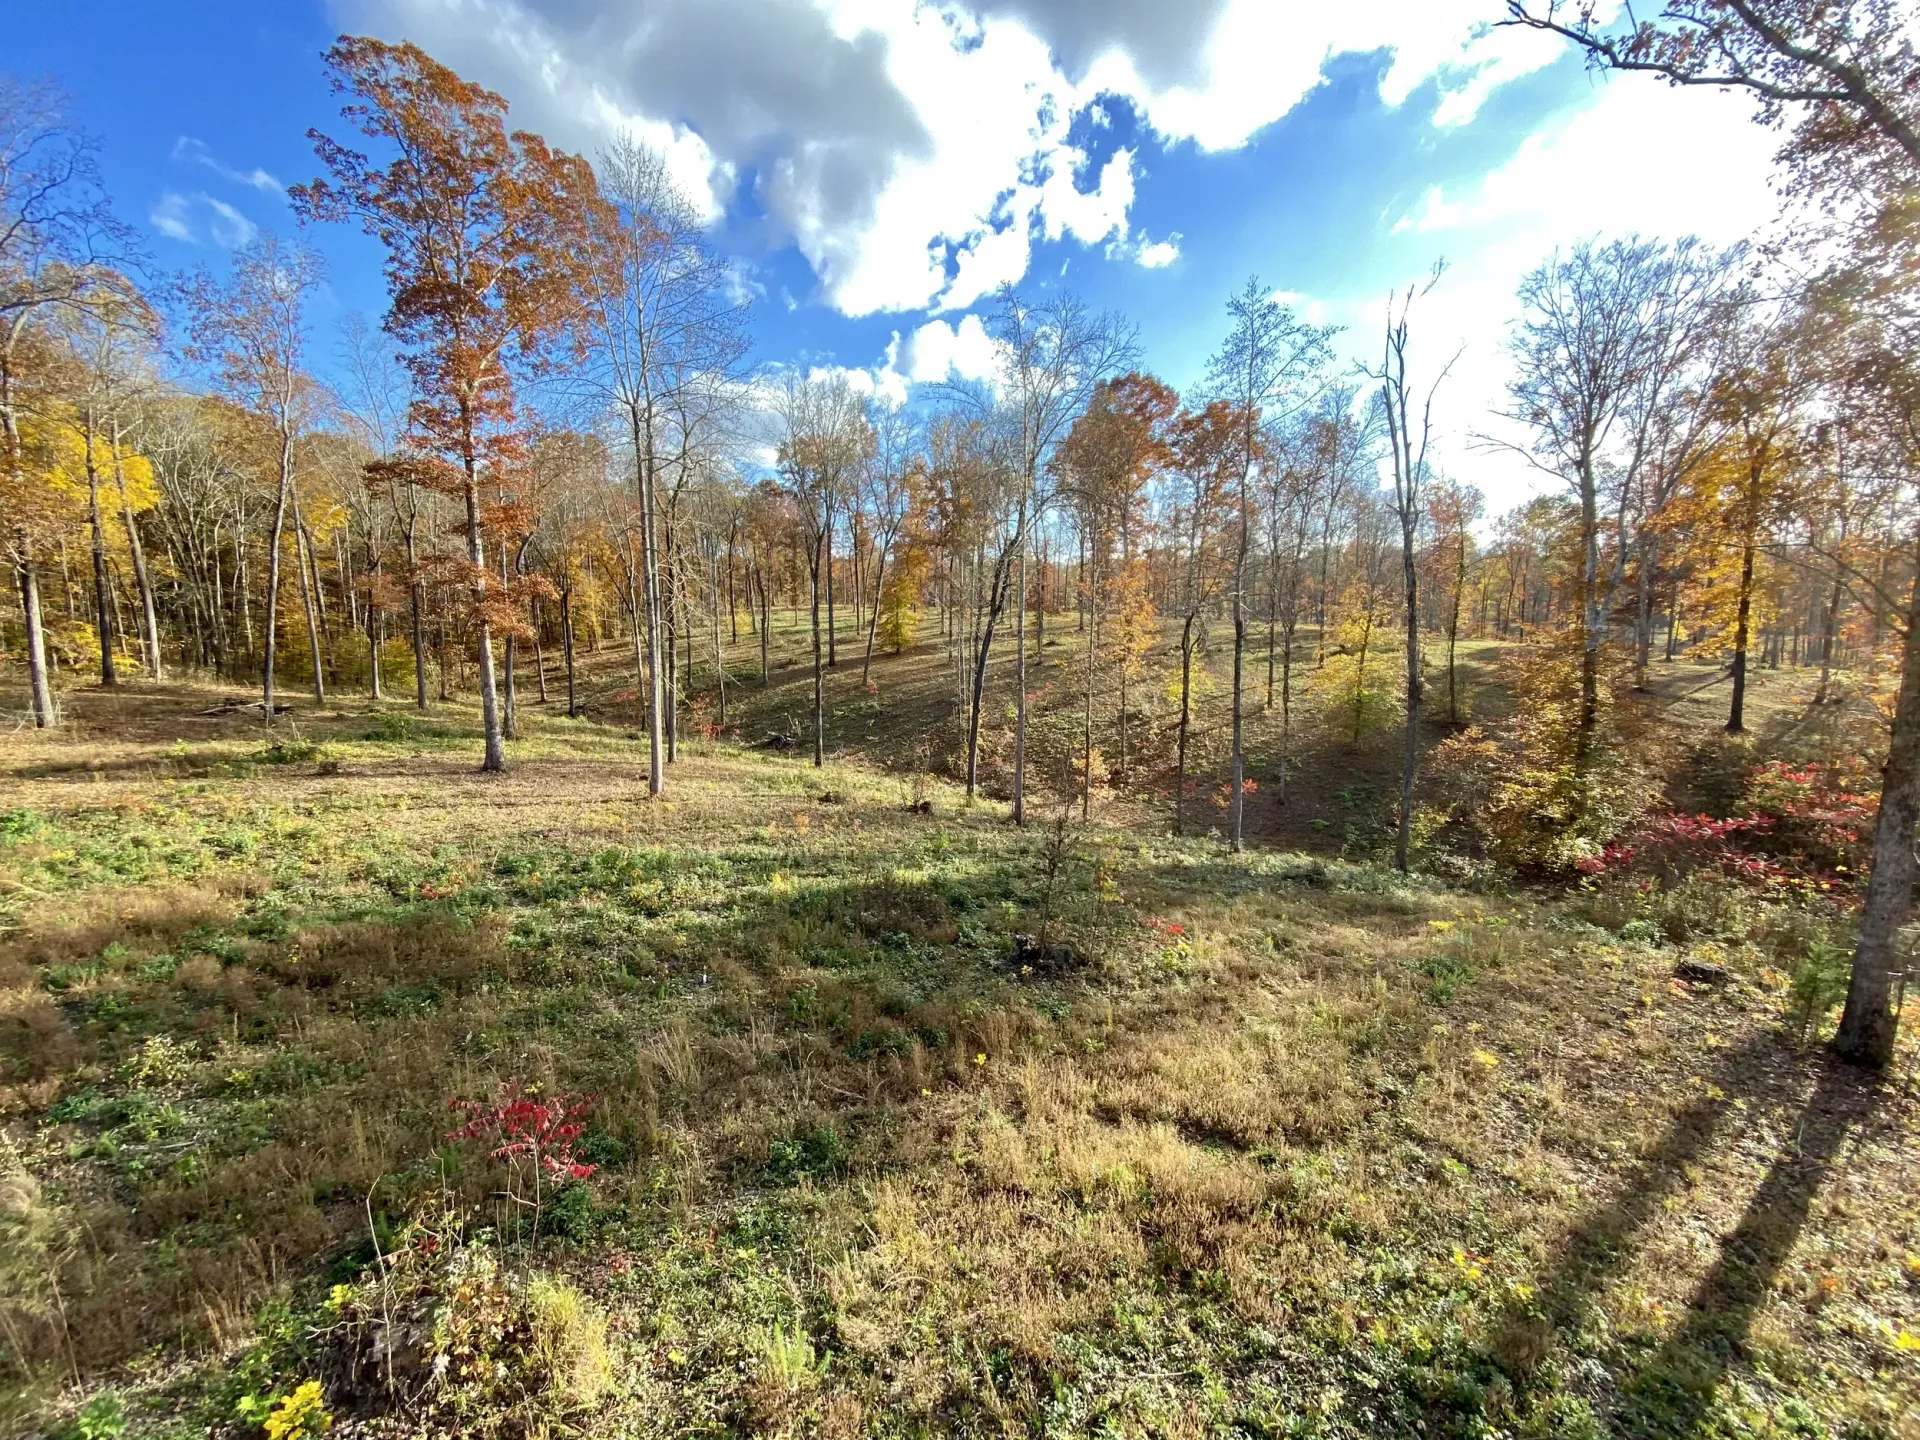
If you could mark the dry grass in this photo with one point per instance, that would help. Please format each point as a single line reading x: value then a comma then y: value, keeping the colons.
x: 1295, y: 1145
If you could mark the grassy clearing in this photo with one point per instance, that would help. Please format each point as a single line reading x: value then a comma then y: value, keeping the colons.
x: 1277, y: 1145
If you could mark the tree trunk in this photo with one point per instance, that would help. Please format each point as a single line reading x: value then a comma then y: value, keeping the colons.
x: 833, y: 652
x: 539, y: 655
x: 1643, y: 608
x: 1236, y: 803
x: 149, y: 611
x: 1592, y: 617
x: 1453, y: 631
x: 995, y: 599
x: 1868, y: 1024
x: 766, y: 621
x: 274, y: 540
x: 40, y: 691
x: 374, y: 628
x: 302, y: 553
x: 650, y: 586
x: 1410, y: 746
x: 819, y: 696
x: 495, y: 751
x: 1186, y: 713
x: 1286, y: 707
x: 1736, y: 717
x: 509, y: 694
x: 873, y: 615
x: 1040, y: 604
x: 1829, y: 632
x: 1020, y: 676
x: 417, y: 602
x: 566, y: 646
x: 1090, y: 576
x: 102, y: 585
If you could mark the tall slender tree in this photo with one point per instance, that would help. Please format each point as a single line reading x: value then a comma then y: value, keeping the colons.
x: 250, y: 329
x: 1269, y: 365
x: 490, y: 266
x: 61, y: 248
x: 1408, y: 436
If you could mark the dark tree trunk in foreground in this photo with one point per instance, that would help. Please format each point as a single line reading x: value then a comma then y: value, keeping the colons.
x: 1867, y: 1025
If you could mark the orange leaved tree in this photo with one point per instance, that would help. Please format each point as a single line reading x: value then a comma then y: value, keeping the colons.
x: 488, y: 268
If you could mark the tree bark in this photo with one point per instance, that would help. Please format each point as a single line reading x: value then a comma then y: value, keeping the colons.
x: 1736, y: 717
x: 873, y: 615
x: 149, y: 611
x: 833, y: 653
x: 644, y: 478
x: 102, y: 585
x: 1410, y: 746
x: 417, y: 600
x: 302, y: 553
x: 1020, y: 677
x: 819, y: 697
x: 1186, y: 714
x: 40, y: 691
x: 566, y: 645
x: 494, y: 758
x: 1868, y: 1023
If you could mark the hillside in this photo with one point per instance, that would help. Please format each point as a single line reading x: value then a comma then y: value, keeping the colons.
x: 900, y: 1120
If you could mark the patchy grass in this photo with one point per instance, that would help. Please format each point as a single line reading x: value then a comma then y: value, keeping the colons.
x: 1275, y: 1145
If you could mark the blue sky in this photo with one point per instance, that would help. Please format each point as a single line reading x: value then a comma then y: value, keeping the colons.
x: 875, y: 167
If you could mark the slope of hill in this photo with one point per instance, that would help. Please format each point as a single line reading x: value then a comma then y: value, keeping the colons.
x: 865, y: 1113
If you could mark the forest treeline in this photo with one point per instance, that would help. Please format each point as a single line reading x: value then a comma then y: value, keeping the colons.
x: 555, y: 441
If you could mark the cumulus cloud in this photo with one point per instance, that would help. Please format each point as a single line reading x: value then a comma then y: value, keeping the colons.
x: 916, y: 152
x: 1148, y: 254
x: 937, y: 351
x: 1604, y: 171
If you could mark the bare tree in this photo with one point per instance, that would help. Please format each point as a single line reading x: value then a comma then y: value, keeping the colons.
x: 250, y: 330
x: 1052, y: 354
x: 1842, y: 68
x: 1270, y: 364
x: 825, y: 439
x: 665, y: 313
x: 1407, y: 440
x: 1582, y: 356
x: 60, y: 248
x: 886, y: 492
x: 375, y: 394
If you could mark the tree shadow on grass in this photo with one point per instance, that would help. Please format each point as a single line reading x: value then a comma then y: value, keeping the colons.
x: 1672, y: 1393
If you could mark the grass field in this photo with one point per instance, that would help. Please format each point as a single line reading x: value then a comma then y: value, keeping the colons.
x: 903, y: 1121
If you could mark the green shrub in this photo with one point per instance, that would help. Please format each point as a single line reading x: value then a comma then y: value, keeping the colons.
x: 571, y: 1213
x: 101, y: 1418
x: 1817, y: 984
x: 820, y: 1153
x: 392, y: 726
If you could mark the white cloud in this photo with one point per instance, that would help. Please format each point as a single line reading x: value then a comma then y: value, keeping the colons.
x: 1310, y: 308
x: 1610, y: 169
x: 1147, y: 253
x: 169, y: 216
x: 1614, y: 166
x: 915, y: 151
x: 1155, y: 254
x: 1261, y: 59
x: 200, y: 216
x: 937, y: 351
x: 190, y: 151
